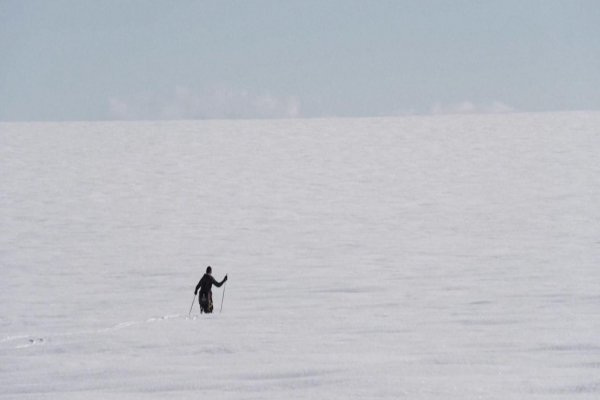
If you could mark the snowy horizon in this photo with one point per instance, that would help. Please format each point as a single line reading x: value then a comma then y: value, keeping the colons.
x: 462, y: 109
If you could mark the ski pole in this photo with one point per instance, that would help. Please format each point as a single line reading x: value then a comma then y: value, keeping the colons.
x: 223, y: 298
x: 192, y: 306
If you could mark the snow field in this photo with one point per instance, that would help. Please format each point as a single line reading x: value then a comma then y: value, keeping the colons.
x: 426, y: 258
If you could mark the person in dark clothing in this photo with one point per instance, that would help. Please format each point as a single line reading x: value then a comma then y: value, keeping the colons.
x: 205, y: 287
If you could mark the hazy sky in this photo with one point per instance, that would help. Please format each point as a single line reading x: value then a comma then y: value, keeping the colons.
x: 102, y: 59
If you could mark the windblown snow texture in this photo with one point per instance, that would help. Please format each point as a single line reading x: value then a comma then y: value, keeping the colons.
x: 449, y: 257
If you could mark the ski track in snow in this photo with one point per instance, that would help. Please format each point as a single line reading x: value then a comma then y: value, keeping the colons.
x: 25, y: 341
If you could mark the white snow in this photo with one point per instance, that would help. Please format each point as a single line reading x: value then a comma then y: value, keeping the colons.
x: 444, y: 257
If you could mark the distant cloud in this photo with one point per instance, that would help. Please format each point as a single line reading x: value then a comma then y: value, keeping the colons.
x: 215, y: 103
x: 405, y: 112
x: 119, y: 109
x: 467, y: 107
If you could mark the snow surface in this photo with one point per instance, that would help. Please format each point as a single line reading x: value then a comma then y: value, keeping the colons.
x: 446, y: 257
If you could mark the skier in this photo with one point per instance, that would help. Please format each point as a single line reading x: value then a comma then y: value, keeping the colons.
x: 205, y: 286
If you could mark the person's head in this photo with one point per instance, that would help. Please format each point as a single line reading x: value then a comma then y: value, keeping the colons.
x: 209, y: 270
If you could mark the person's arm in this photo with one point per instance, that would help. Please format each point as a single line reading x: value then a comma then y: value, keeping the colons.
x: 219, y: 284
x: 198, y: 287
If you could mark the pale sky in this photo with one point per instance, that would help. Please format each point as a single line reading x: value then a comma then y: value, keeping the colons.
x: 126, y: 59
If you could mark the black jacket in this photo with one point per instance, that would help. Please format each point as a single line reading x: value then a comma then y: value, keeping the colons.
x: 205, y: 284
